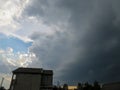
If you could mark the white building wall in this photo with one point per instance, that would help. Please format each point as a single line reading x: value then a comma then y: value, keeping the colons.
x: 27, y: 82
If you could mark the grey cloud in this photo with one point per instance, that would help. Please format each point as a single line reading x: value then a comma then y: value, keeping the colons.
x: 5, y: 67
x: 88, y: 50
x: 50, y: 47
x: 47, y: 11
x: 38, y: 8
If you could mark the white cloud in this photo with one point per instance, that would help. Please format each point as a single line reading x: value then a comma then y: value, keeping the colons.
x: 19, y: 59
x: 10, y: 60
x: 10, y: 14
x: 15, y: 21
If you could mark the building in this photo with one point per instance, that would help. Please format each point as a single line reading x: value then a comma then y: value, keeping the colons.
x: 111, y: 86
x: 31, y: 79
x: 72, y: 87
x: 67, y: 87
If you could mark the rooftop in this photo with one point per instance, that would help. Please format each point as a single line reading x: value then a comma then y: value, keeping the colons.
x: 32, y: 71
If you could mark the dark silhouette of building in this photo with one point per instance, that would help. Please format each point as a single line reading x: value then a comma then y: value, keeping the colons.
x: 31, y: 79
x: 111, y: 86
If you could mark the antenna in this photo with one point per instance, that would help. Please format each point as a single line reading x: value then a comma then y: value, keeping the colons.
x: 2, y: 81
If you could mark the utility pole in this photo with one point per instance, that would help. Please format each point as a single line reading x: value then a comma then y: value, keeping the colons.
x: 2, y: 81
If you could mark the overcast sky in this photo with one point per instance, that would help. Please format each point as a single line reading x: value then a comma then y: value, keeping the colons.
x: 78, y: 39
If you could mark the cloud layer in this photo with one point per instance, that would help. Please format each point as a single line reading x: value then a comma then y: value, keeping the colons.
x: 79, y: 40
x: 13, y: 53
x: 87, y: 49
x: 10, y: 11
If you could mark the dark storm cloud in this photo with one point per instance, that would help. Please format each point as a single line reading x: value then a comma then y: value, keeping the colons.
x: 101, y: 45
x: 49, y: 49
x: 89, y: 48
x: 101, y: 55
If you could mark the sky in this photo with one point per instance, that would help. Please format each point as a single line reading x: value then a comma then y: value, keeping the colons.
x: 78, y: 39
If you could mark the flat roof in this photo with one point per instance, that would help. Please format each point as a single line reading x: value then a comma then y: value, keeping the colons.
x: 32, y: 71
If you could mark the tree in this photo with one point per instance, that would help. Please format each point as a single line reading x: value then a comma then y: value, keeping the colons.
x: 87, y: 86
x: 96, y: 86
x: 59, y: 88
x: 65, y: 87
x: 79, y: 86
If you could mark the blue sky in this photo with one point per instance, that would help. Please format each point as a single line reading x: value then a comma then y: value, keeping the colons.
x: 15, y: 43
x: 12, y: 50
x: 78, y: 39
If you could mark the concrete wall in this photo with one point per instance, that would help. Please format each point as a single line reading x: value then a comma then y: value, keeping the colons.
x: 27, y: 82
